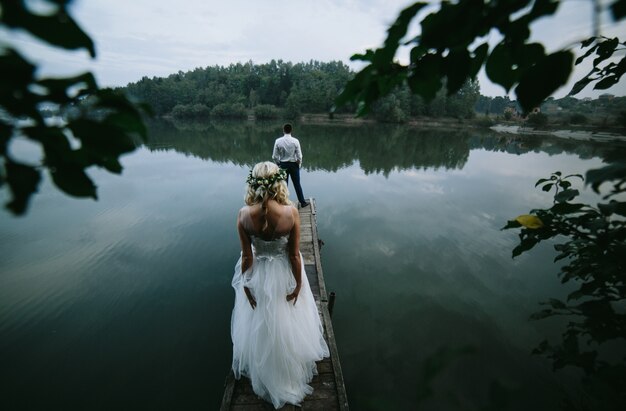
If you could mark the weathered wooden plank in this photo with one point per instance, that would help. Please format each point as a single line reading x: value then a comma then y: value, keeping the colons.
x: 320, y: 405
x: 334, y: 355
x: 229, y: 386
x: 325, y: 367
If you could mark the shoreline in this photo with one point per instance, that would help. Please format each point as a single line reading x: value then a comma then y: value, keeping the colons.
x: 581, y: 135
x: 349, y: 120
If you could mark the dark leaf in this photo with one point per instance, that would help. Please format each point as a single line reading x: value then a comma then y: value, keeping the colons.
x: 57, y: 149
x: 128, y: 122
x: 547, y: 187
x: 480, y: 53
x: 587, y: 53
x: 499, y: 67
x: 102, y: 139
x: 575, y: 295
x: 456, y: 66
x: 17, y: 72
x: 557, y: 304
x: 605, y: 50
x: 618, y: 10
x: 587, y: 42
x: 425, y: 79
x: 58, y: 28
x: 580, y: 85
x: 58, y: 88
x: 613, y: 207
x: 112, y: 164
x: 565, y: 184
x: 566, y: 208
x: 368, y: 56
x: 542, y: 314
x: 544, y: 78
x: 398, y: 30
x: 356, y: 87
x: 566, y: 195
x: 508, y: 62
x: 511, y: 224
x: 543, y: 8
x: 606, y: 82
x: 525, y: 245
x: 74, y: 181
x: 542, y: 348
x: 574, y: 175
x: 540, y: 181
x: 560, y: 257
x: 23, y: 181
x: 6, y: 132
x: 615, y: 171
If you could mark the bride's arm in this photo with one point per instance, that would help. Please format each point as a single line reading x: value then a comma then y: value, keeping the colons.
x: 293, y: 247
x: 246, y: 256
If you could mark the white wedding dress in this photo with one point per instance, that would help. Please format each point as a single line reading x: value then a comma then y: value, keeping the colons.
x: 276, y: 344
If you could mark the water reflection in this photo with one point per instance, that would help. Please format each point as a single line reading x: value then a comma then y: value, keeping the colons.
x: 378, y: 148
x: 127, y: 300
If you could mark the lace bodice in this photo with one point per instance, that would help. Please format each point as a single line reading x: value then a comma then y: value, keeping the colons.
x: 269, y: 249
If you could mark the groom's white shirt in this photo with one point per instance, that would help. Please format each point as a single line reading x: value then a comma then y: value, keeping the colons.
x: 287, y: 148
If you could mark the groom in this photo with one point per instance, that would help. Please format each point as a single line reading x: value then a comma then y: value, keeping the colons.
x: 288, y: 155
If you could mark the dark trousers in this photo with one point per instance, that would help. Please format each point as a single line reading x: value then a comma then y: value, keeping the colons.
x: 293, y: 171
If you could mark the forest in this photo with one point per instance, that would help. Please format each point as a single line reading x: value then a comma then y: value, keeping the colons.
x: 280, y: 89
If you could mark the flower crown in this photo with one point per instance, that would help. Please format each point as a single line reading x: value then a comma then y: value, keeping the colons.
x: 267, y: 182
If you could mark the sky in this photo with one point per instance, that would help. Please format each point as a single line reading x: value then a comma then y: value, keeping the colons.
x: 159, y: 37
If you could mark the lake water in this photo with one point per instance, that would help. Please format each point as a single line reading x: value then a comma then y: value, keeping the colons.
x: 125, y: 303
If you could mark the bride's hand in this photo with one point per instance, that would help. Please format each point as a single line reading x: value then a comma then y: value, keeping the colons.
x: 251, y: 299
x: 294, y: 295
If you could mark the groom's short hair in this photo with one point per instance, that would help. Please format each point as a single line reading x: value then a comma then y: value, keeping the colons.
x: 287, y: 128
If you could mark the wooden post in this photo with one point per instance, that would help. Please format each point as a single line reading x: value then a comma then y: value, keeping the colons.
x: 331, y: 303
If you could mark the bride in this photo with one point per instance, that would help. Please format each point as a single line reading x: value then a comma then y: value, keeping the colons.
x: 276, y: 330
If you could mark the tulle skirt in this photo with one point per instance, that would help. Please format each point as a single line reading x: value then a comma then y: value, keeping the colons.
x: 276, y: 344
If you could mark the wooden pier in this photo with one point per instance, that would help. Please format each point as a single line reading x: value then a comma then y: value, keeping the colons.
x: 329, y: 392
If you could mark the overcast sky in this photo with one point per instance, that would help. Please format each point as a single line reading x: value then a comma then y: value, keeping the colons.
x: 136, y: 38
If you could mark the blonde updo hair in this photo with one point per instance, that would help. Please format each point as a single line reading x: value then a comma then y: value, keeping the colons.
x: 262, y: 194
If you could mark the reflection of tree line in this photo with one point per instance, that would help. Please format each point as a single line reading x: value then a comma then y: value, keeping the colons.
x: 378, y: 148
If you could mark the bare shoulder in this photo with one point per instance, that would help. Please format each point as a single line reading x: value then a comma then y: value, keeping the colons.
x: 294, y: 212
x: 243, y: 213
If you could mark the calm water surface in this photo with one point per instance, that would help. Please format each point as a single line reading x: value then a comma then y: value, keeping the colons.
x: 125, y: 303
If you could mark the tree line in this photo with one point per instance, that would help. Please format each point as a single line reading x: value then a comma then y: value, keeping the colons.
x: 233, y: 90
x: 283, y: 89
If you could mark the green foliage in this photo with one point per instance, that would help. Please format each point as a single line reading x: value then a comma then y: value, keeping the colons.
x: 449, y: 51
x: 225, y: 110
x: 266, y: 112
x: 398, y: 105
x: 604, y: 75
x: 389, y: 109
x: 592, y: 243
x: 98, y: 125
x: 312, y: 86
x: 57, y: 28
x: 537, y: 120
x: 190, y: 111
x: 293, y: 107
x: 578, y: 118
x: 484, y: 121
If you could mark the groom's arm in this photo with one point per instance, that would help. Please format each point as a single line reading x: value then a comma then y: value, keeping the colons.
x: 298, y: 153
x: 275, y: 156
